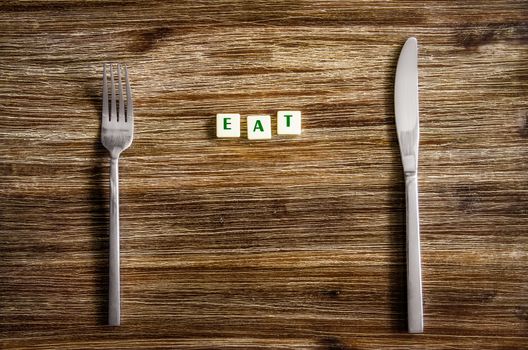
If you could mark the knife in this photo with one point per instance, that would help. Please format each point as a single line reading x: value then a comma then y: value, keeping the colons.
x: 407, y: 126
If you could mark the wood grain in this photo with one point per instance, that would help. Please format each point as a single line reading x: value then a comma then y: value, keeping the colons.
x: 292, y: 243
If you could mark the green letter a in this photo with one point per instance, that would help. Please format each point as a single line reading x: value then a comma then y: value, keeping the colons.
x: 258, y: 125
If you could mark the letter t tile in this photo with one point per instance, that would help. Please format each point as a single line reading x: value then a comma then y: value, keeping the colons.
x: 289, y: 122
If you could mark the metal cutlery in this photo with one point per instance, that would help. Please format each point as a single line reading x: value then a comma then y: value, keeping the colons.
x: 407, y: 126
x: 117, y: 128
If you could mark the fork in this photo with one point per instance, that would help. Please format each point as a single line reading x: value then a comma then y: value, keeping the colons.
x: 117, y: 128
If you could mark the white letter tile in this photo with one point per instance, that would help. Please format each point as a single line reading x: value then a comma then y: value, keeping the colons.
x: 227, y: 125
x: 289, y: 122
x: 259, y: 127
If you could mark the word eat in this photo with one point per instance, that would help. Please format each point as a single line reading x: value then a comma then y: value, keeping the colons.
x: 258, y: 126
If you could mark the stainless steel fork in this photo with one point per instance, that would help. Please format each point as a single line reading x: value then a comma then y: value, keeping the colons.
x: 117, y: 128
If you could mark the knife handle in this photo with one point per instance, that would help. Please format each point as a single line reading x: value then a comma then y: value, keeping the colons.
x: 414, y: 270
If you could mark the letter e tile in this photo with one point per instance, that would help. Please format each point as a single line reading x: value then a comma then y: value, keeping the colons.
x: 227, y: 125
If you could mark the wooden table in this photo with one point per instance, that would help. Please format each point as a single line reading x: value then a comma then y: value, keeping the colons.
x: 290, y: 243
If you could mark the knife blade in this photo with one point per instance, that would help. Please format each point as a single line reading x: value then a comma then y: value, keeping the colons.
x: 406, y: 110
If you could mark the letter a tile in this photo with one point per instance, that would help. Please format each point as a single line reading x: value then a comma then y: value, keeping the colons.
x: 259, y: 127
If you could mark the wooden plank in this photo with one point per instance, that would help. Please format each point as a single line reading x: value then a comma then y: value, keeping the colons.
x: 289, y: 243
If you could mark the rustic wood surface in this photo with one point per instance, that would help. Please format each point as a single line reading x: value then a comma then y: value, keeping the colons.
x: 291, y: 243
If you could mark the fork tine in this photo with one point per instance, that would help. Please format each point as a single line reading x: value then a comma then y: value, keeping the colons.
x: 120, y: 95
x: 105, y: 96
x: 130, y: 108
x: 113, y: 113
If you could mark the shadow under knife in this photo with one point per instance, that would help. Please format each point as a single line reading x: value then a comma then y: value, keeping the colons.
x: 398, y: 259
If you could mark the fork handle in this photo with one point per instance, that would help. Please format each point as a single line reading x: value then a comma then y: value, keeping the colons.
x: 114, y: 298
x: 414, y: 270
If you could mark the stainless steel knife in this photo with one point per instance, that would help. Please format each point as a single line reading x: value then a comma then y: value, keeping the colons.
x: 407, y: 126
